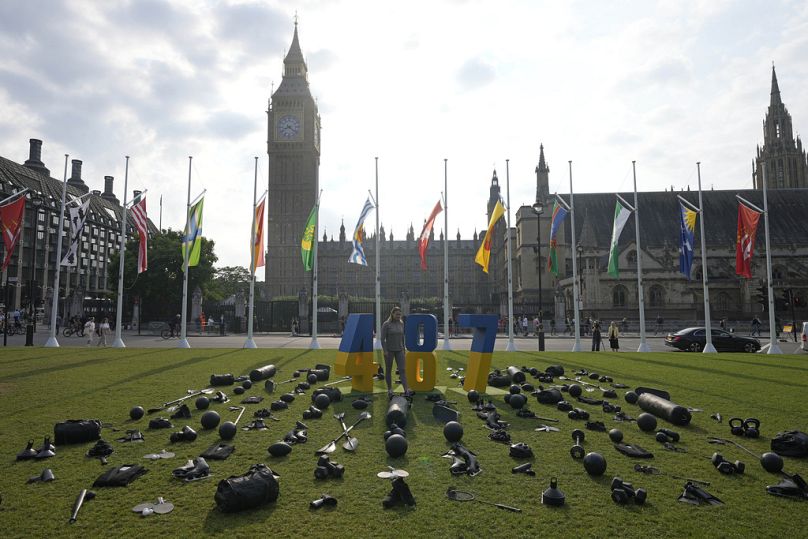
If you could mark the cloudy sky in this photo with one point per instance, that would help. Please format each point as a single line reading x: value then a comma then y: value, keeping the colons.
x: 476, y: 82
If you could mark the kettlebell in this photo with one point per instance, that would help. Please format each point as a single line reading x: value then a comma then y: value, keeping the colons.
x: 736, y: 426
x: 751, y: 427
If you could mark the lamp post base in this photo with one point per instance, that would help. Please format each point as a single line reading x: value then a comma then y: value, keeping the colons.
x: 118, y: 343
x: 52, y: 343
x: 315, y: 345
x: 183, y: 343
x: 250, y: 343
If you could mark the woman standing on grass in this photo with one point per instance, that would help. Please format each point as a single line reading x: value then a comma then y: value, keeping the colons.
x: 392, y: 338
x: 614, y: 333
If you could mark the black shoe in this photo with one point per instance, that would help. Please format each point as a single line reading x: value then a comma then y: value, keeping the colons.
x: 193, y: 469
x: 182, y: 413
x: 28, y: 453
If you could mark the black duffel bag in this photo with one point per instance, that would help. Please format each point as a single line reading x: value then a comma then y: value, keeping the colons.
x: 222, y: 379
x: 257, y: 487
x: 792, y: 443
x: 76, y: 431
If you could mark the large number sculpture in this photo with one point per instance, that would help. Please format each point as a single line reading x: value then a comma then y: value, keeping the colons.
x: 355, y: 356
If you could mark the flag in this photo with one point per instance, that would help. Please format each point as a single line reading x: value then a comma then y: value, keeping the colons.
x: 358, y: 253
x: 687, y: 226
x: 258, y: 246
x: 745, y: 245
x: 78, y: 216
x: 306, y: 243
x: 423, y: 240
x: 142, y: 225
x: 621, y: 215
x: 192, y: 239
x: 484, y: 253
x: 11, y: 215
x: 559, y: 214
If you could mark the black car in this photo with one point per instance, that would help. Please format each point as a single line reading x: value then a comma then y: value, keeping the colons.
x: 694, y: 339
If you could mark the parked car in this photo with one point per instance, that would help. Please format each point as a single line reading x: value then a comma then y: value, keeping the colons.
x: 694, y: 339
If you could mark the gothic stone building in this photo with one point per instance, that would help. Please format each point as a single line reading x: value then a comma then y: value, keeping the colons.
x: 85, y: 288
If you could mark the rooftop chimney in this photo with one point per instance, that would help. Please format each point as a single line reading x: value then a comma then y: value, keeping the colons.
x: 108, y: 194
x: 34, y: 161
x: 135, y: 194
x: 75, y: 178
x: 96, y: 192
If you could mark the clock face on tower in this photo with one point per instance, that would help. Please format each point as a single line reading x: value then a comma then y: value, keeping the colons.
x: 288, y: 127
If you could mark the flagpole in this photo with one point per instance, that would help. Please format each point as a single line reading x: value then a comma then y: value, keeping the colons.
x: 511, y: 346
x: 118, y: 342
x: 774, y: 348
x: 446, y: 345
x: 640, y: 292
x: 160, y: 226
x: 708, y: 346
x: 314, y: 344
x: 183, y: 343
x: 575, y: 293
x: 378, y: 344
x: 52, y: 341
x: 250, y: 342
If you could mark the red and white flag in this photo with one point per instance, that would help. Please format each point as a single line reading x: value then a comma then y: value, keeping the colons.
x: 10, y: 225
x: 423, y: 240
x: 745, y: 245
x: 142, y: 224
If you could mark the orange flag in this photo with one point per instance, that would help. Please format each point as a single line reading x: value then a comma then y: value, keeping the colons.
x: 258, y: 248
x: 745, y: 244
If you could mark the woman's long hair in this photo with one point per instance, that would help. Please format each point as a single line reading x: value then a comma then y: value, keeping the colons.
x: 392, y: 311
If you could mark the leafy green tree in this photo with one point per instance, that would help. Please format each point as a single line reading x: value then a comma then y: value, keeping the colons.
x: 159, y: 288
x: 230, y: 280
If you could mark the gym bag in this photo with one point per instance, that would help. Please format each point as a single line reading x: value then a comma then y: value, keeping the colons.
x: 222, y: 379
x: 259, y: 486
x: 792, y: 443
x: 77, y: 431
x: 120, y: 476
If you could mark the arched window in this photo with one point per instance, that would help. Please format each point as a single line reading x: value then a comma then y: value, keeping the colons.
x: 657, y: 294
x: 619, y: 296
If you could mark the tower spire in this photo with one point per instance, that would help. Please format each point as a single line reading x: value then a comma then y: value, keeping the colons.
x: 775, y: 95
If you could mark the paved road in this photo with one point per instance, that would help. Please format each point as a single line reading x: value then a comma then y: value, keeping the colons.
x: 628, y: 343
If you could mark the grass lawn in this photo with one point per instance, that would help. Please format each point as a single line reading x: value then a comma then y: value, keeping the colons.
x: 39, y: 387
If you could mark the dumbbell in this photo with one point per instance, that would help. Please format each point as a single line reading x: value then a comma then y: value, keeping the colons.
x: 726, y: 467
x: 577, y: 451
x: 577, y: 413
x: 325, y: 468
x: 667, y: 436
x: 623, y: 492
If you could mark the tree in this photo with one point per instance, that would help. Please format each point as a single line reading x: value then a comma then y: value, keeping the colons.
x: 159, y: 288
x: 230, y: 280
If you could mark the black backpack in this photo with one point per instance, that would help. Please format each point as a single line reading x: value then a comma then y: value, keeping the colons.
x: 792, y: 443
x: 259, y: 486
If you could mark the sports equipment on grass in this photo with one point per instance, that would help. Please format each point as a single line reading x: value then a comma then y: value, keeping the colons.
x: 577, y: 451
x: 393, y: 473
x: 160, y: 507
x: 526, y: 468
x: 623, y: 492
x: 726, y: 467
x: 616, y: 435
x: 227, y: 430
x: 279, y: 449
x: 84, y: 495
x: 397, y: 411
x: 161, y: 455
x: 771, y: 462
x: 453, y: 431
x: 322, y: 401
x: 262, y: 373
x: 45, y: 477
x: 325, y: 499
x: 331, y: 446
x: 464, y: 496
x: 667, y: 410
x: 400, y: 495
x: 190, y: 394
x: 661, y: 393
x: 136, y: 412
x: 396, y: 445
x: 351, y: 443
x: 552, y: 496
x: 594, y: 464
x: 325, y: 468
x: 650, y: 470
x: 647, y: 422
x: 210, y: 419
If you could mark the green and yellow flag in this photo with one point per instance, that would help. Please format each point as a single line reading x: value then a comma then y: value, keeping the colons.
x: 192, y: 239
x: 484, y: 252
x: 306, y: 244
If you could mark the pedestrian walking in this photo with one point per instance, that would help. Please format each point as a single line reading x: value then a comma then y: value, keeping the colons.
x: 755, y: 326
x: 103, y: 331
x: 89, y: 330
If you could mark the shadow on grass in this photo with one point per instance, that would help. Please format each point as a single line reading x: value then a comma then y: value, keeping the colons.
x: 65, y: 367
x: 218, y: 521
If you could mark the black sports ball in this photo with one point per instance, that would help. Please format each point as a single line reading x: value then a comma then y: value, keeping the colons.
x: 136, y: 412
x: 594, y: 464
x: 210, y: 419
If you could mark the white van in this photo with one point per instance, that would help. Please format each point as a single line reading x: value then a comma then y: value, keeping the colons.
x: 804, y: 334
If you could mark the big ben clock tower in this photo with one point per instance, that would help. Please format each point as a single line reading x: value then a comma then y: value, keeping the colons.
x: 293, y: 145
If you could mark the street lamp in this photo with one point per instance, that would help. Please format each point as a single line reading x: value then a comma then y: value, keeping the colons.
x: 538, y: 209
x: 36, y: 202
x: 580, y: 250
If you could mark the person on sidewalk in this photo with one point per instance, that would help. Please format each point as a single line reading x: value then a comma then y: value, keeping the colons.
x: 596, y: 336
x: 103, y: 331
x: 614, y: 333
x: 89, y: 330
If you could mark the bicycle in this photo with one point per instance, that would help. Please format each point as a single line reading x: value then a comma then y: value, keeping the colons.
x: 70, y: 331
x: 169, y: 334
